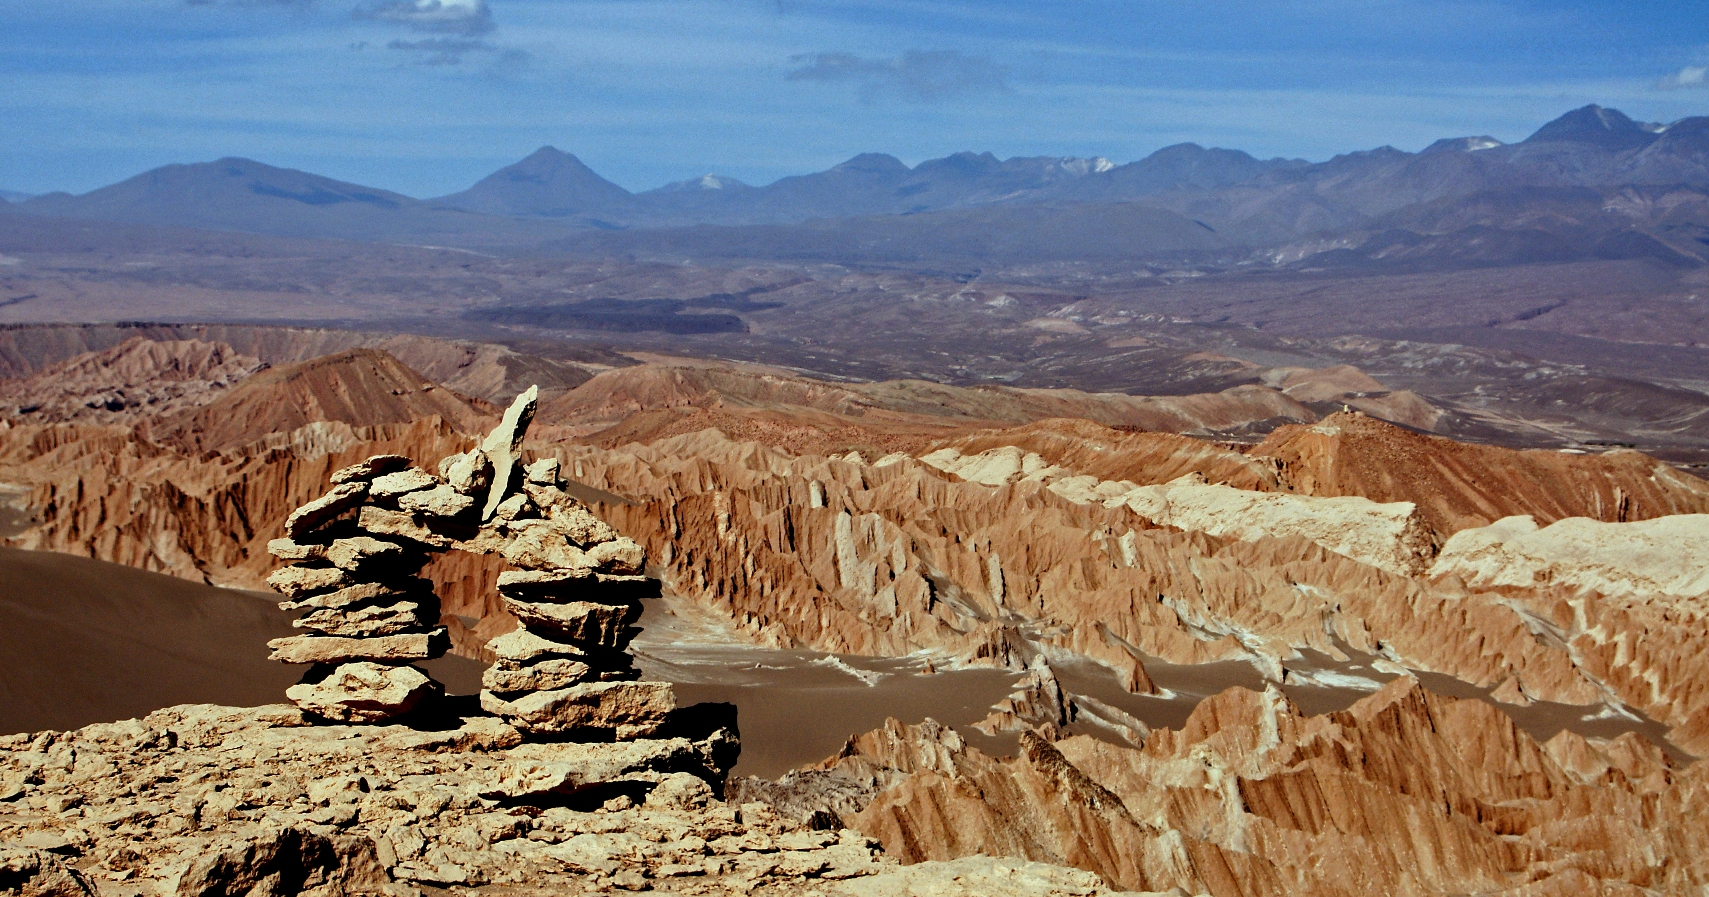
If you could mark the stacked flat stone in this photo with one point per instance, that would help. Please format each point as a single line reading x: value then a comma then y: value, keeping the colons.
x: 367, y: 614
x: 575, y: 593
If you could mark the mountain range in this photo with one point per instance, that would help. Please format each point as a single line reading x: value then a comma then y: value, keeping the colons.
x: 1591, y: 184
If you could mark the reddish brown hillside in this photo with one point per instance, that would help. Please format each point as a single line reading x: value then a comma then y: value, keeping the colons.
x: 360, y: 387
x: 1459, y: 485
x: 137, y: 378
x: 907, y: 409
x: 1094, y: 450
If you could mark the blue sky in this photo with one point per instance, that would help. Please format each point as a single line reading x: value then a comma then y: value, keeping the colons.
x: 426, y: 96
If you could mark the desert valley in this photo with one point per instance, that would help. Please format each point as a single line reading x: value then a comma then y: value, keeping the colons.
x: 1199, y: 525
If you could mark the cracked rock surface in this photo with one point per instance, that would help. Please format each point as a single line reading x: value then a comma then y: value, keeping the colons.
x: 202, y: 799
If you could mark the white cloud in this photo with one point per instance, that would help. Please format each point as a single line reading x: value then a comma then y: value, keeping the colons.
x: 1691, y: 76
x: 468, y: 17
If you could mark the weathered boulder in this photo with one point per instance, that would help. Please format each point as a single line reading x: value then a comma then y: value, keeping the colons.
x: 621, y: 556
x: 470, y: 473
x: 628, y: 709
x: 543, y: 472
x: 364, y: 692
x: 582, y: 622
x: 285, y: 862
x: 579, y: 525
x: 37, y: 873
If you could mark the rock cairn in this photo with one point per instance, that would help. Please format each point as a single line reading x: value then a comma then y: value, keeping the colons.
x: 575, y: 590
x: 368, y: 614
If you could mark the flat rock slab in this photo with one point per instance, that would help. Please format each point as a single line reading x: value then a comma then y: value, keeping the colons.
x: 579, y: 622
x: 360, y: 593
x: 325, y: 509
x: 326, y: 649
x: 394, y: 484
x: 533, y: 769
x: 627, y: 709
x: 365, y: 692
x: 368, y: 621
x: 295, y: 582
x: 440, y: 501
x: 363, y: 471
x: 508, y: 676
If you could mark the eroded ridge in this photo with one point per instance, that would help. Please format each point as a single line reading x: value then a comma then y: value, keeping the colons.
x: 355, y: 552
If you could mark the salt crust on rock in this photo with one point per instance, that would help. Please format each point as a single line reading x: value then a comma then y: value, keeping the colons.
x: 1666, y: 555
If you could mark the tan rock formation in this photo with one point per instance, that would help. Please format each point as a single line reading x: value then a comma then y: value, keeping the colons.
x: 669, y: 391
x: 1406, y: 793
x: 134, y: 381
x: 1457, y: 485
x: 219, y: 800
x: 361, y: 387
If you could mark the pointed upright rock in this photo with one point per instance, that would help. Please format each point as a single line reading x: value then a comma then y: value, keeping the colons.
x: 502, y: 444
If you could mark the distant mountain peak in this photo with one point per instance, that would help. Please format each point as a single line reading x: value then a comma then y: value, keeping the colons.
x: 546, y: 183
x: 1463, y: 144
x: 1597, y: 125
x: 874, y: 163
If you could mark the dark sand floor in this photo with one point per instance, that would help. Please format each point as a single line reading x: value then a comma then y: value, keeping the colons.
x: 84, y: 641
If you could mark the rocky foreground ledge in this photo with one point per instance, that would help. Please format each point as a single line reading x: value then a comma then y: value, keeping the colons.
x: 209, y: 800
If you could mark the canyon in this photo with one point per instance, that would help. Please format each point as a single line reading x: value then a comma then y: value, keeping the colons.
x: 1277, y: 636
